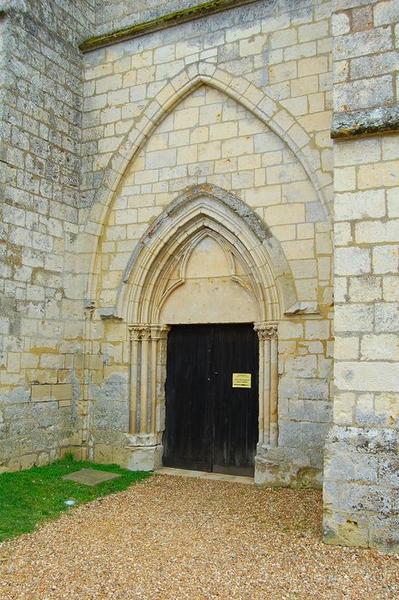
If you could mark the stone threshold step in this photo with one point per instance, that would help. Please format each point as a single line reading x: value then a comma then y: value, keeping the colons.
x: 204, y: 475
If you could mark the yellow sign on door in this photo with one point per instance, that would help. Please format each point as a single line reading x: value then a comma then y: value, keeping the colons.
x: 242, y: 380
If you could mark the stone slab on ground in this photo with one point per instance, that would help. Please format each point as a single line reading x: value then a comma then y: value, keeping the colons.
x: 205, y: 475
x: 90, y: 477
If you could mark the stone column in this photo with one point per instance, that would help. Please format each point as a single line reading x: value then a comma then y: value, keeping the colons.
x: 268, y: 381
x: 147, y: 381
x: 84, y: 408
x: 153, y: 378
x: 273, y: 423
x: 135, y: 353
x: 145, y: 377
x: 160, y: 336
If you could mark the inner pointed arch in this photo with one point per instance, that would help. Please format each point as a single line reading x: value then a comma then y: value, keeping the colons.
x: 200, y: 211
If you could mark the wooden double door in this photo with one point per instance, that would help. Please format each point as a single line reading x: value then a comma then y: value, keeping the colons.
x: 212, y: 398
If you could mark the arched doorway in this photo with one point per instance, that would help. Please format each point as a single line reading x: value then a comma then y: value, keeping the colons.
x: 208, y: 259
x: 211, y: 408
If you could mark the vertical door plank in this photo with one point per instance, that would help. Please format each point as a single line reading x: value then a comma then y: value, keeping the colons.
x: 187, y: 442
x: 235, y: 409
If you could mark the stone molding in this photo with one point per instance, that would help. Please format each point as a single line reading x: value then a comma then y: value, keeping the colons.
x: 205, y: 208
x: 162, y: 22
x: 379, y: 120
x: 303, y: 308
x: 176, y: 207
x: 268, y: 110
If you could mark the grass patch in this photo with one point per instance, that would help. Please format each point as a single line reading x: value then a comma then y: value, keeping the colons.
x: 30, y: 497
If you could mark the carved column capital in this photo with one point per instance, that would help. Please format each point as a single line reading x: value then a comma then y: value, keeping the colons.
x: 266, y: 330
x: 144, y: 332
x: 135, y: 333
x: 159, y: 332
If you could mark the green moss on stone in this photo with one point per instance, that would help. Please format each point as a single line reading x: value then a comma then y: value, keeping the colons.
x: 375, y: 121
x: 160, y: 22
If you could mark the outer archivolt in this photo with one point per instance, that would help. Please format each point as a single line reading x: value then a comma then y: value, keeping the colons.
x: 199, y: 208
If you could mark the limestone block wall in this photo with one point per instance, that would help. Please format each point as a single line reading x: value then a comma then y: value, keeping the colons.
x: 365, y: 66
x: 281, y: 48
x: 40, y: 323
x: 361, y: 468
x: 178, y: 108
x: 123, y: 13
x: 95, y: 147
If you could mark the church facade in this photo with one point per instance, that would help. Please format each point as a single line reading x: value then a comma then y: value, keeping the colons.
x: 199, y: 243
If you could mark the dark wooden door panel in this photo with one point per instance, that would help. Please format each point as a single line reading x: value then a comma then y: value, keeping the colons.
x: 235, y: 409
x: 209, y: 424
x: 187, y: 439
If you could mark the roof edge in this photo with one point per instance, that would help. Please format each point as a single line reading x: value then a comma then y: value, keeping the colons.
x: 161, y: 22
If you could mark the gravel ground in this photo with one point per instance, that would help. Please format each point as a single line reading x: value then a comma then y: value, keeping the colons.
x: 176, y: 538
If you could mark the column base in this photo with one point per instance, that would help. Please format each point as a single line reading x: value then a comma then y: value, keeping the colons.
x: 144, y: 452
x: 283, y: 467
x: 269, y: 468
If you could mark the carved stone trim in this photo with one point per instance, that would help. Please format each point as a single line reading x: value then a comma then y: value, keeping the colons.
x: 202, y: 210
x: 365, y: 122
x: 142, y: 331
x: 159, y: 332
x: 161, y: 22
x: 145, y: 334
x: 178, y: 206
x: 266, y: 330
x: 134, y: 333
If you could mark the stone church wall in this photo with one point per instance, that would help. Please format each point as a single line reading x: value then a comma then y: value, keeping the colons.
x: 123, y: 13
x: 361, y: 469
x: 40, y: 327
x: 95, y: 145
x: 208, y: 137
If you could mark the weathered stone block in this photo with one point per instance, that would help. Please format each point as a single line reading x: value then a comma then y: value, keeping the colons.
x: 386, y: 259
x: 380, y: 347
x: 352, y: 261
x: 387, y: 317
x: 372, y: 376
x: 111, y: 404
x: 360, y: 205
x: 354, y: 318
x: 365, y: 289
x: 386, y: 12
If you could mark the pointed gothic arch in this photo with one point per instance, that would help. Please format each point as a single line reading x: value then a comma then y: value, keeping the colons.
x: 266, y: 109
x: 201, y: 210
x: 205, y: 209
